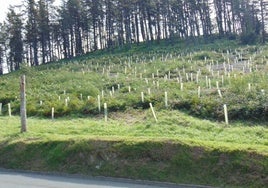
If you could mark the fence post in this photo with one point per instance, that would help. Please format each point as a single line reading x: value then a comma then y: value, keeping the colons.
x: 23, y: 110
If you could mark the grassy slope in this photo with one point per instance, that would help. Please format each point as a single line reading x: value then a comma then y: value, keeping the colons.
x: 179, y: 148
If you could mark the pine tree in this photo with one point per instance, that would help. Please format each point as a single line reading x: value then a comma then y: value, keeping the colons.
x: 15, y: 39
x: 43, y: 28
x: 32, y: 32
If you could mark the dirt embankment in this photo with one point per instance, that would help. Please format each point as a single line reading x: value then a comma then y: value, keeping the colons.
x: 160, y: 161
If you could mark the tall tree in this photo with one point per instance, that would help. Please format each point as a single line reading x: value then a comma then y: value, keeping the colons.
x: 43, y: 28
x: 15, y: 39
x: 32, y: 32
x: 2, y: 47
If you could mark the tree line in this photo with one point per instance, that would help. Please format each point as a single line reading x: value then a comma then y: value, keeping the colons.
x: 39, y: 32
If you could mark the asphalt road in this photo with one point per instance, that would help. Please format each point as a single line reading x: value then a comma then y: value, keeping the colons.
x: 12, y: 179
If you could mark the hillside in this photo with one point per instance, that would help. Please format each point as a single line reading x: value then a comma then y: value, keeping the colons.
x: 187, y: 85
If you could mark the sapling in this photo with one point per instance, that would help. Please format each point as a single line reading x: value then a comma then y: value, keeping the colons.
x: 181, y: 86
x: 187, y: 77
x: 1, y: 105
x: 99, y: 103
x: 151, y: 106
x: 105, y: 112
x: 219, y: 92
x: 142, y: 97
x: 226, y: 114
x: 146, y: 80
x: 166, y: 99
x: 52, y: 113
x: 149, y: 91
x: 66, y: 102
x: 165, y: 78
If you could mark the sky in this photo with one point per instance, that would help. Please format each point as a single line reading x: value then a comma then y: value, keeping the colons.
x: 4, y: 4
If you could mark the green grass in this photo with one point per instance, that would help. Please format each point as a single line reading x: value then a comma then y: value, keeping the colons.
x: 172, y: 125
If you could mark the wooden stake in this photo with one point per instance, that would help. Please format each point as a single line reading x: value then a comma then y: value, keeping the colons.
x: 1, y: 105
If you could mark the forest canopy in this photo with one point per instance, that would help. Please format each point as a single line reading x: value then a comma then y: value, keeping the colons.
x: 41, y: 32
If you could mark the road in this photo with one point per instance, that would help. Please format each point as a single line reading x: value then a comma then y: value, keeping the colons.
x: 12, y: 179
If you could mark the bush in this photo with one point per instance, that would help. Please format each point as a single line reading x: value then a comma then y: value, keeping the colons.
x: 249, y: 38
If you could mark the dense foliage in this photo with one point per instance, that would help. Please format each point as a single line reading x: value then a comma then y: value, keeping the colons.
x: 80, y: 26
